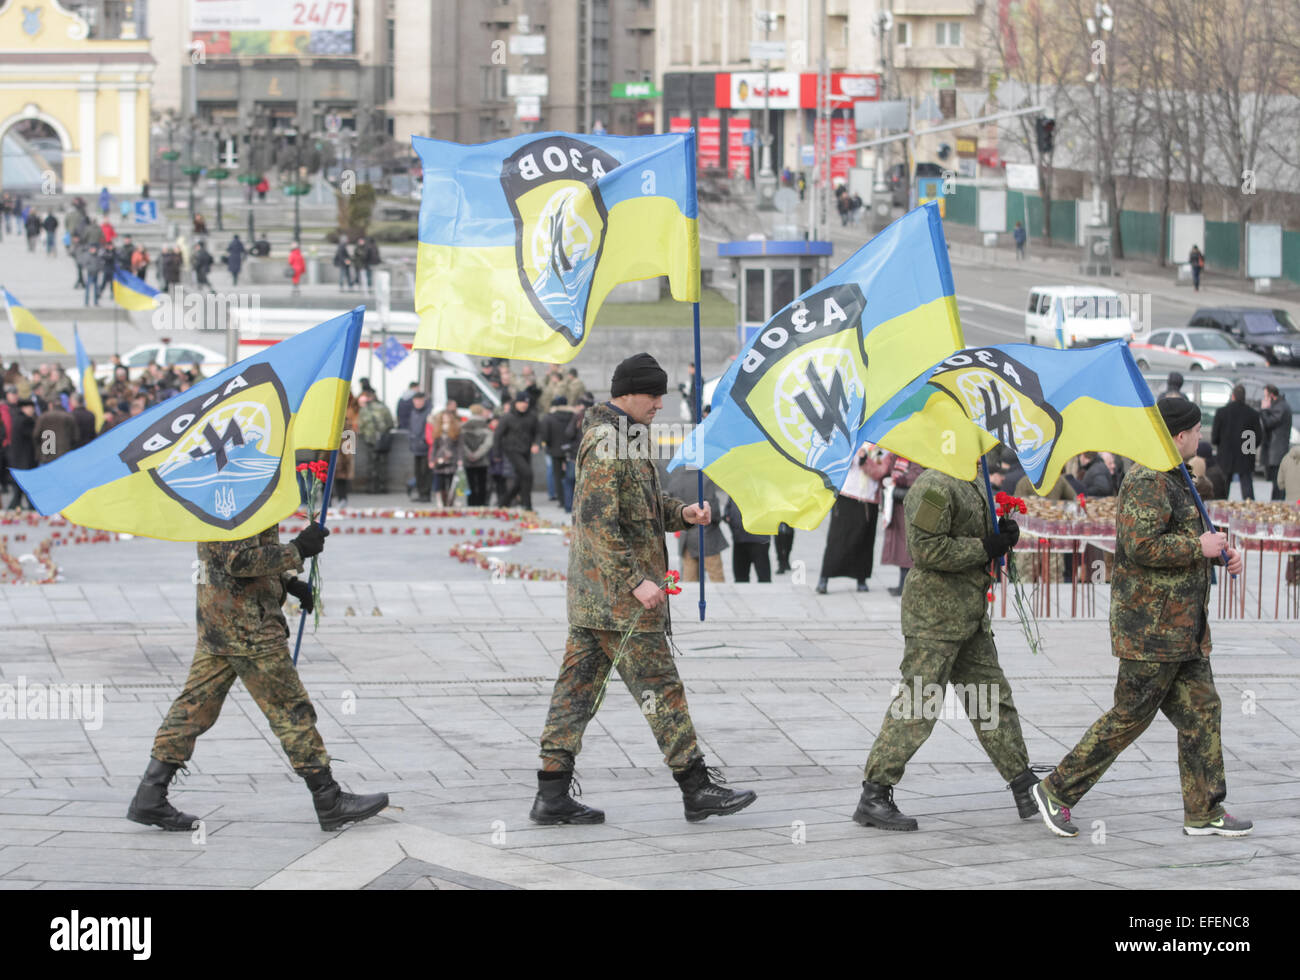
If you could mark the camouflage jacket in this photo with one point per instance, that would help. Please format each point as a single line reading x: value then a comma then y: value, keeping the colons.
x: 1160, y: 590
x: 620, y: 515
x: 240, y: 591
x: 373, y: 422
x: 944, y: 594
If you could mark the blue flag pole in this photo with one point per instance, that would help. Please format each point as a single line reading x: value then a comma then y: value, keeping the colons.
x: 993, y: 511
x: 698, y: 397
x: 1205, y: 514
x: 324, y: 506
x: 354, y: 344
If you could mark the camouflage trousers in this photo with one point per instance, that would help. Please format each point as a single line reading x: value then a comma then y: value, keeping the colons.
x: 273, y: 682
x: 648, y: 670
x: 1185, y: 692
x: 971, y: 665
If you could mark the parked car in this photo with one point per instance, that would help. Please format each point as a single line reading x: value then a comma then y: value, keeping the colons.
x: 208, y: 361
x: 1093, y: 315
x: 1193, y: 349
x: 1210, y: 392
x: 1268, y: 332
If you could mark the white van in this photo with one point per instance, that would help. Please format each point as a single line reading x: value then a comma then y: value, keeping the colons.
x: 455, y: 377
x: 1093, y: 315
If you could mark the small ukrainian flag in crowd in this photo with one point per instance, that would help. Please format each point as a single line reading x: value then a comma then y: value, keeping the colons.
x: 133, y: 293
x: 217, y: 463
x: 521, y: 239
x: 31, y: 334
x: 89, y: 386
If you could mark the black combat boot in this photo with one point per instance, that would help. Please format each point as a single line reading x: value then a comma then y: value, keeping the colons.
x: 703, y: 797
x: 1022, y: 790
x: 554, y: 805
x: 335, y: 808
x: 876, y: 809
x: 149, y: 805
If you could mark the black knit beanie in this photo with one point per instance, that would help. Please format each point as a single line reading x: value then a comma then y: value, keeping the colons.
x: 1179, y: 414
x: 640, y: 374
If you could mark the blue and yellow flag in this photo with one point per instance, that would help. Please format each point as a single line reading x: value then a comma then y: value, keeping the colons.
x: 133, y: 293
x: 787, y: 416
x: 1044, y: 405
x: 216, y: 463
x: 29, y: 330
x: 522, y: 239
x: 89, y: 386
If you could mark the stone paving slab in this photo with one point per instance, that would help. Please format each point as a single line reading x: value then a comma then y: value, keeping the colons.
x: 439, y: 701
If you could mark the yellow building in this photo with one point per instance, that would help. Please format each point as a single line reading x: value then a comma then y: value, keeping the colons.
x: 74, y: 110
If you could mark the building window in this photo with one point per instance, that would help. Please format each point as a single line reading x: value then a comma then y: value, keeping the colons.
x: 904, y: 34
x: 947, y: 34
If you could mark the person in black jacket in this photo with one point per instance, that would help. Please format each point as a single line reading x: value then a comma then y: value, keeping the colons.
x: 202, y: 262
x: 750, y: 549
x: 1238, y: 436
x: 1275, y: 416
x: 517, y: 435
x: 420, y: 447
x: 85, y: 420
x: 343, y: 262
x: 1098, y: 476
x: 551, y: 434
x: 22, y: 446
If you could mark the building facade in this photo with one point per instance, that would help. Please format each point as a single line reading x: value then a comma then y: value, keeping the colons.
x: 732, y: 67
x: 74, y: 104
x: 709, y: 55
x: 470, y: 72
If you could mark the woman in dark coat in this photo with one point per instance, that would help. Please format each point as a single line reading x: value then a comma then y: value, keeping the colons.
x: 851, y: 538
x: 895, y: 551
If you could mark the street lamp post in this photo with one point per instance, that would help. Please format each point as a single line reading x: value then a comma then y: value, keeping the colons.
x: 297, y: 196
x: 765, y: 182
x: 171, y: 155
x: 1099, y: 25
x: 191, y: 170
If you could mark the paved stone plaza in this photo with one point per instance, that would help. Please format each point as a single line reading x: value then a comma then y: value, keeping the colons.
x: 435, y: 690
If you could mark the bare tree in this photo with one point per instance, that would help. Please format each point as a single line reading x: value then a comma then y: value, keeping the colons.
x: 1026, y: 50
x: 1247, y: 96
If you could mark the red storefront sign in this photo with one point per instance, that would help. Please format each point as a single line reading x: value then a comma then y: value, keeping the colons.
x: 708, y: 139
x: 738, y: 154
x: 857, y: 87
x: 842, y: 134
x: 740, y: 92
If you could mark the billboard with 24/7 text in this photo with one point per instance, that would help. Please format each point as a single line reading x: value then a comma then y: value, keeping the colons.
x: 273, y: 28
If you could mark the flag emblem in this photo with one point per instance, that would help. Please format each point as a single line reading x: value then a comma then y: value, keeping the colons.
x: 560, y: 221
x: 803, y: 381
x: 219, y: 454
x: 1004, y: 398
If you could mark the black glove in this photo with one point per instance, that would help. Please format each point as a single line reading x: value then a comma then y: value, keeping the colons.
x: 301, y: 591
x: 995, y: 545
x: 1011, y: 529
x: 311, y: 542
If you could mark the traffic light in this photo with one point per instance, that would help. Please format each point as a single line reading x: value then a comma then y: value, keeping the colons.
x: 1045, y: 130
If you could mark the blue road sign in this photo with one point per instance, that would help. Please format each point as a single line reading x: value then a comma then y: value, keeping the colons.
x: 146, y: 212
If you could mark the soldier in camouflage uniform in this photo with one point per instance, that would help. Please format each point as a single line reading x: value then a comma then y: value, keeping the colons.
x: 617, y: 564
x: 947, y: 637
x: 242, y: 633
x: 373, y: 425
x: 1159, y: 630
